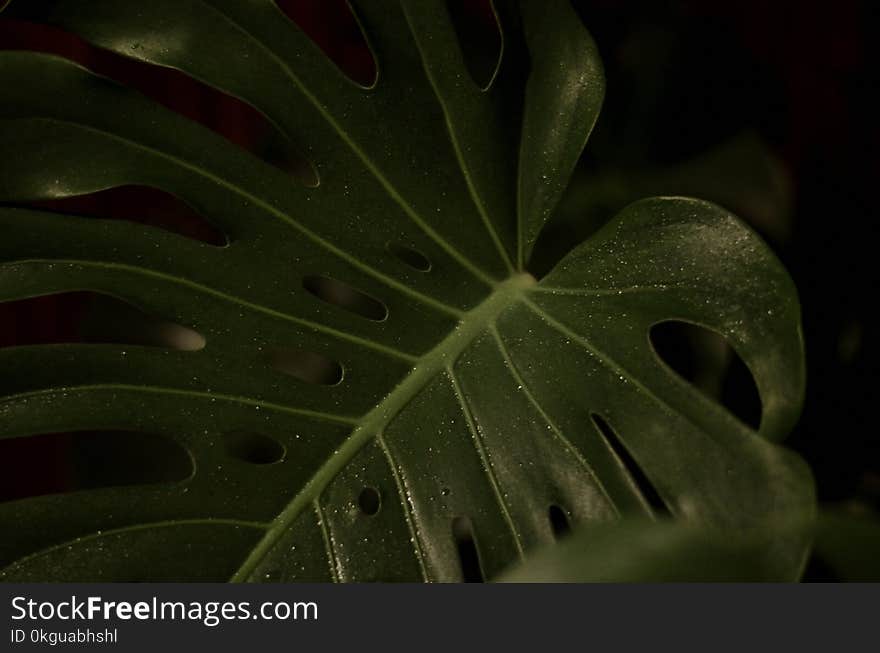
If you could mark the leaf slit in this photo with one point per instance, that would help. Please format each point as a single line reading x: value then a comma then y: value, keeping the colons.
x: 640, y: 479
x: 468, y: 554
x: 238, y: 122
x: 137, y: 204
x: 331, y: 25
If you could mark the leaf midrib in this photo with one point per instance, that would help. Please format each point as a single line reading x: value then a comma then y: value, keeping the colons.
x: 435, y: 362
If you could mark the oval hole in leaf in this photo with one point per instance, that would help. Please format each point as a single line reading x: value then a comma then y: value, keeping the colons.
x: 558, y: 521
x: 704, y: 358
x: 468, y: 555
x: 410, y: 256
x: 479, y: 37
x: 65, y: 462
x: 642, y: 482
x: 331, y: 26
x: 345, y: 296
x: 139, y: 204
x: 307, y: 366
x: 369, y: 501
x: 253, y: 448
x: 230, y: 117
x: 89, y: 318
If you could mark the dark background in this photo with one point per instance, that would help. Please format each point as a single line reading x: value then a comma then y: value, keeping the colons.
x: 767, y: 108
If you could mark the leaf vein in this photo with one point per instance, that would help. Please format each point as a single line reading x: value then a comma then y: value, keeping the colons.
x: 193, y: 394
x: 408, y: 511
x: 368, y: 163
x: 558, y: 434
x: 332, y: 559
x: 589, y: 292
x: 485, y: 460
x: 278, y: 214
x: 364, y: 342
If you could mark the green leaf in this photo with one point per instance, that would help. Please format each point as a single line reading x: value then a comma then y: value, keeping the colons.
x: 644, y: 551
x: 479, y: 395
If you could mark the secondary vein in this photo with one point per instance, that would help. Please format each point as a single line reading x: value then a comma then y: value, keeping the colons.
x: 315, y: 326
x: 560, y: 436
x: 192, y: 394
x: 477, y: 439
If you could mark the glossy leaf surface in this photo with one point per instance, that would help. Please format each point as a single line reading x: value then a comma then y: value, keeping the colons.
x: 467, y: 390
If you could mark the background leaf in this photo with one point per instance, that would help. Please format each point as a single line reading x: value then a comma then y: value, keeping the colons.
x: 645, y: 552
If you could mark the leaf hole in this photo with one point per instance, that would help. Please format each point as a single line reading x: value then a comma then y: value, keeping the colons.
x: 345, y: 296
x: 705, y: 359
x: 369, y: 501
x: 307, y: 366
x: 230, y: 117
x: 410, y: 256
x: 479, y: 37
x: 332, y: 26
x: 559, y: 523
x: 89, y: 318
x: 139, y: 204
x: 640, y: 479
x: 468, y: 555
x: 51, y: 463
x: 253, y: 448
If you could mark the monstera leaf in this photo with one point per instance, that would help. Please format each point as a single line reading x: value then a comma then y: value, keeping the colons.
x: 472, y: 407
